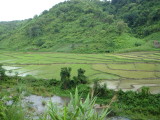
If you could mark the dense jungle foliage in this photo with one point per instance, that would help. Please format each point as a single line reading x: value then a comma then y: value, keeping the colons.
x: 87, y: 26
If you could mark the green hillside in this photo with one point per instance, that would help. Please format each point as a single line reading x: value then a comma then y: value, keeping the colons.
x: 87, y: 26
x: 7, y: 28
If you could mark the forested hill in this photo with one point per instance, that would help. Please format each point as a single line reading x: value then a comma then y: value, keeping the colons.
x: 87, y: 26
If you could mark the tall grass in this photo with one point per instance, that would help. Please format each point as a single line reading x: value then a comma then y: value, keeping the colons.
x: 11, y: 106
x: 15, y: 111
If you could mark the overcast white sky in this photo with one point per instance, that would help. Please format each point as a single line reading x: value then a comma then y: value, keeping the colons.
x: 23, y: 9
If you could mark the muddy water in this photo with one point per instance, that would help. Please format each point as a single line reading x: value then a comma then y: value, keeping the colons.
x: 10, y: 68
x: 36, y: 102
x: 111, y: 84
x: 13, y: 69
x: 133, y: 86
x: 118, y: 118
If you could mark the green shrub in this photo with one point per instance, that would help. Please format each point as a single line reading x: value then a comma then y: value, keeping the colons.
x: 2, y: 73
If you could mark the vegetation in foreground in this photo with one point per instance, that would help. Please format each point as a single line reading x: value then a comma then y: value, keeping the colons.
x: 134, y: 105
x: 77, y: 109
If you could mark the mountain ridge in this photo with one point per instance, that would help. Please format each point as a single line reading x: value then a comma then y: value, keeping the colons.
x: 87, y: 27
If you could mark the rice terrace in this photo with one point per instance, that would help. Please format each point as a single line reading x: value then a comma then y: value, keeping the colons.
x: 80, y: 60
x: 126, y: 71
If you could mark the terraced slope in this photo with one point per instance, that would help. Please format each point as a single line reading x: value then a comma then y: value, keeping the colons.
x: 128, y: 71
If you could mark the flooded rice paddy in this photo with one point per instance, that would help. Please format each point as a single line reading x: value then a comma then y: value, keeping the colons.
x: 127, y: 71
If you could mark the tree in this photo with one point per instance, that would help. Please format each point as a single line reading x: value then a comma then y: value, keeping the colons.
x: 110, y: 19
x: 65, y: 77
x: 156, y: 15
x: 121, y: 27
x: 2, y: 72
x: 100, y: 90
x: 39, y: 42
x: 96, y: 86
x: 114, y: 2
x: 44, y: 12
x: 131, y: 18
x: 34, y: 31
x: 81, y: 77
x: 145, y: 91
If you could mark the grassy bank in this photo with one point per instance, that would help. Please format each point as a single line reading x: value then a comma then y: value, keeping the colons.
x: 135, y: 105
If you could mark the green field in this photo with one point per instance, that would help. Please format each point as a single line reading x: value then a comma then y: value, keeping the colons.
x: 128, y: 71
